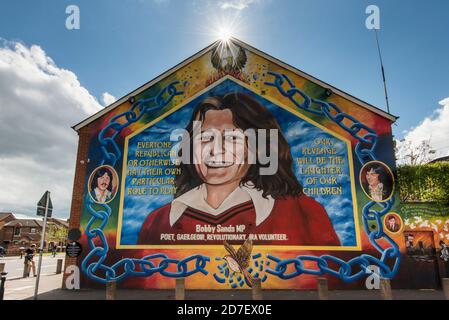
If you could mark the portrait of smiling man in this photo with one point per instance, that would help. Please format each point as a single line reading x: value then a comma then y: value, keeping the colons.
x: 229, y: 181
x: 101, y: 185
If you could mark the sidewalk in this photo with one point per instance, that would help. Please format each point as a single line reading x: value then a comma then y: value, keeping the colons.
x: 59, y: 294
x: 23, y: 288
x: 50, y: 289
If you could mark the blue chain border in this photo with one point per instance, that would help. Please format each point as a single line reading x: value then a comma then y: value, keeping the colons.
x: 364, y: 150
x: 148, y: 266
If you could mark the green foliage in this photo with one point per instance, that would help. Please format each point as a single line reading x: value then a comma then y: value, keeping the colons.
x: 427, y: 182
x: 56, y: 232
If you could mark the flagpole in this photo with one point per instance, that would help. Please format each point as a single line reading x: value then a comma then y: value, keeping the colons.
x: 383, y: 71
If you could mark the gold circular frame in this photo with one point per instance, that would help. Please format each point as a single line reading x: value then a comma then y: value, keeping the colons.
x: 114, y: 174
x: 392, y: 179
x: 396, y: 215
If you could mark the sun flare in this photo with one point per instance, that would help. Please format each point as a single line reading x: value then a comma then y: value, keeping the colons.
x: 224, y: 33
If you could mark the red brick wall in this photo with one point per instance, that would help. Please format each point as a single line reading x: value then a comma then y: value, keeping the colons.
x: 7, y: 233
x: 3, y: 235
x: 78, y: 188
x: 23, y: 240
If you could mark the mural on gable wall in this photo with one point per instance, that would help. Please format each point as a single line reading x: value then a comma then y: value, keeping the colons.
x: 234, y: 167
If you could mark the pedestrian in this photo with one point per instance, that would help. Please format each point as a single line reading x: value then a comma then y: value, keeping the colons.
x: 29, y: 260
x: 53, y: 250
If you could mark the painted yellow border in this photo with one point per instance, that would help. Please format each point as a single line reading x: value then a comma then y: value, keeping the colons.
x: 392, y: 178
x: 384, y: 222
x: 357, y: 247
x: 114, y: 173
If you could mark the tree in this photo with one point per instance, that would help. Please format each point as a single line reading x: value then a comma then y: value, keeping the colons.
x: 408, y: 153
x: 426, y: 182
x: 56, y: 233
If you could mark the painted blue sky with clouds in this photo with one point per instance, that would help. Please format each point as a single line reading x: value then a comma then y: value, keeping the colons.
x: 298, y: 134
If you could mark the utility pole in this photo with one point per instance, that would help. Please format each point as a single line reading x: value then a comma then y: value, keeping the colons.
x: 47, y: 208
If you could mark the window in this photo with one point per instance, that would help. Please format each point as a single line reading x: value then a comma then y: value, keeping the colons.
x: 33, y: 230
x: 17, y: 231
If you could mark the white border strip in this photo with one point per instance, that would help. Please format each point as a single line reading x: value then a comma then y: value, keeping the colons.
x: 319, y: 82
x: 139, y: 90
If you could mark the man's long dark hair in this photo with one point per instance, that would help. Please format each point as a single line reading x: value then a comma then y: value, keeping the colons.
x: 247, y: 113
x: 383, y: 178
x: 99, y: 173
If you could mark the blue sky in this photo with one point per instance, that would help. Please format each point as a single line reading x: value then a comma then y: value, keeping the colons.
x: 123, y: 44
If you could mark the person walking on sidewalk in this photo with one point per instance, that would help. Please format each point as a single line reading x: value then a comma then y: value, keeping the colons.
x: 53, y: 250
x: 29, y: 260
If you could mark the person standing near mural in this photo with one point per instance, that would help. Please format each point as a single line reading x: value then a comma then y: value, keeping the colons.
x: 29, y: 260
x: 223, y: 190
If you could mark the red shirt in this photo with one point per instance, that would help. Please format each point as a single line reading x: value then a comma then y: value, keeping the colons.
x: 293, y: 221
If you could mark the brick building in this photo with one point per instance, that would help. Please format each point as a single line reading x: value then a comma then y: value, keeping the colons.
x: 5, y: 217
x: 16, y: 233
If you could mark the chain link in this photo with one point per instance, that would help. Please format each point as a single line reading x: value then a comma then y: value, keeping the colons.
x: 109, y: 147
x: 357, y: 267
x: 366, y: 142
x: 94, y: 263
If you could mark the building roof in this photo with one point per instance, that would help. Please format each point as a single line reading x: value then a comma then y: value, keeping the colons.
x: 40, y: 223
x: 27, y: 222
x: 323, y: 84
x: 62, y: 222
x: 4, y: 215
x: 440, y: 159
x: 23, y: 223
x: 22, y: 216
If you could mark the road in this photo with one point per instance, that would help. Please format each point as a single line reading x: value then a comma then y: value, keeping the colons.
x: 14, y: 265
